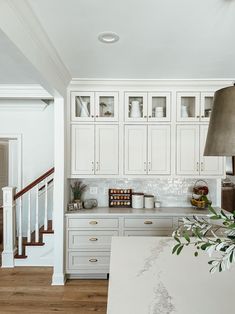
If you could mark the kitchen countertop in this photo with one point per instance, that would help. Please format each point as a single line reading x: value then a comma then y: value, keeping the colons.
x: 161, y: 211
x: 145, y: 278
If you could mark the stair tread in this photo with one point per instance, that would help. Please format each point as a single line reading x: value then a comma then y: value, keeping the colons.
x: 34, y: 243
x: 20, y: 256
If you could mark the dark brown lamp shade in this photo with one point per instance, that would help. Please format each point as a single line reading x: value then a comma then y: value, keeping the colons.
x: 221, y: 133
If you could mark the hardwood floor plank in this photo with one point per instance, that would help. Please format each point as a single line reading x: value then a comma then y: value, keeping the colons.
x: 29, y: 290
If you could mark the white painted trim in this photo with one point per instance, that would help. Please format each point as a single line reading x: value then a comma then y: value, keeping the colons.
x: 75, y: 82
x: 58, y: 279
x: 18, y: 138
x: 21, y: 26
x: 24, y: 91
x: 59, y: 200
x: 20, y: 105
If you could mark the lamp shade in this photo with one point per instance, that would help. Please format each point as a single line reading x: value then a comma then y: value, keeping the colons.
x: 221, y: 133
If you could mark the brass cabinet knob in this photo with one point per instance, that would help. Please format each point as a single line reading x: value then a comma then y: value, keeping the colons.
x: 93, y: 222
x: 145, y: 116
x: 148, y: 222
x: 92, y: 116
x: 150, y: 116
x: 97, y: 116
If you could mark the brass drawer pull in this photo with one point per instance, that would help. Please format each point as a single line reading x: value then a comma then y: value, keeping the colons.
x: 93, y: 260
x: 148, y: 222
x: 93, y: 239
x: 93, y: 222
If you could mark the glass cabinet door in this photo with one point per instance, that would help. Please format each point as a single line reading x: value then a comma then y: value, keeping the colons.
x: 82, y: 106
x: 188, y: 106
x: 106, y: 106
x: 159, y: 106
x: 206, y: 105
x: 136, y: 107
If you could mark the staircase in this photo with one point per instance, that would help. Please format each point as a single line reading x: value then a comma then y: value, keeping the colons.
x: 28, y: 236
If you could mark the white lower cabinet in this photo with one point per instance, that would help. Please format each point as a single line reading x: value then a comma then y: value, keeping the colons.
x: 189, y: 152
x: 88, y: 239
x: 95, y: 149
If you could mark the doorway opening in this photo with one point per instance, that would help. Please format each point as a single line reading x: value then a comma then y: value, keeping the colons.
x: 10, y: 169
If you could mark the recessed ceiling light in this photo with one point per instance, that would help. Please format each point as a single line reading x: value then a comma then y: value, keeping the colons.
x: 108, y: 37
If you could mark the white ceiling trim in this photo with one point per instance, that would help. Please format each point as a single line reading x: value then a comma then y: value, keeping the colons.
x: 21, y: 26
x: 22, y: 105
x: 153, y: 83
x: 32, y: 91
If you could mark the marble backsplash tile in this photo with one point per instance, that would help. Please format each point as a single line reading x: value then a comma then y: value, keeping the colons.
x: 170, y: 191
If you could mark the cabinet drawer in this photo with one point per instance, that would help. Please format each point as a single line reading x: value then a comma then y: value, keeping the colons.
x: 148, y: 233
x: 160, y: 223
x: 92, y: 223
x: 90, y: 239
x: 88, y: 260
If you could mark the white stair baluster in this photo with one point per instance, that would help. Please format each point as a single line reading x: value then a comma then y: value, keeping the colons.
x: 20, y: 249
x: 46, y: 206
x: 29, y: 218
x: 36, y: 218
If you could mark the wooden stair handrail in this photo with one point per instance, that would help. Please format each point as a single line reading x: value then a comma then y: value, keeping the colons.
x: 34, y: 183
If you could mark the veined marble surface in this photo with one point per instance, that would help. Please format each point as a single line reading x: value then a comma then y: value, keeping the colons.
x: 162, y: 211
x: 145, y: 278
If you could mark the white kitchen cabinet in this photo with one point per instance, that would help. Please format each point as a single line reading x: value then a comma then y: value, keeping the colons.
x: 82, y: 149
x: 107, y: 149
x: 190, y: 149
x: 94, y: 150
x: 135, y: 149
x: 147, y: 149
x: 136, y: 107
x: 209, y: 165
x: 94, y: 106
x: 194, y: 106
x: 159, y: 149
x: 106, y: 106
x: 148, y: 107
x: 159, y: 107
x: 206, y: 106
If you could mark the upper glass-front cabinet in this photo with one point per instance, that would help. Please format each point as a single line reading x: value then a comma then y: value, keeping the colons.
x: 194, y: 106
x: 150, y: 107
x: 106, y: 106
x: 136, y: 109
x: 206, y: 105
x: 159, y: 106
x: 188, y: 106
x: 90, y: 106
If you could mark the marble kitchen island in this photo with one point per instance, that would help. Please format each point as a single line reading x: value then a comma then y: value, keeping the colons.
x: 145, y: 278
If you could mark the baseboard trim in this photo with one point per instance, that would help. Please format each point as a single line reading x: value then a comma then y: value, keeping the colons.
x: 58, y: 279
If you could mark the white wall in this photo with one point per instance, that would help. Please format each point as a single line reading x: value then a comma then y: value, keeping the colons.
x: 37, y: 130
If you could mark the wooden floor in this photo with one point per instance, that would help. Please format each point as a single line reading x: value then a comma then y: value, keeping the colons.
x: 29, y: 290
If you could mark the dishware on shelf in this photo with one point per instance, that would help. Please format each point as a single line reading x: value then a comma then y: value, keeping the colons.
x: 137, y: 200
x: 184, y: 111
x: 135, y: 111
x: 148, y: 201
x: 159, y: 112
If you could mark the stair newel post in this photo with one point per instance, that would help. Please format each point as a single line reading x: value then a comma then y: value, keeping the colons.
x: 36, y: 218
x: 29, y: 218
x: 9, y: 227
x: 46, y: 206
x: 20, y: 244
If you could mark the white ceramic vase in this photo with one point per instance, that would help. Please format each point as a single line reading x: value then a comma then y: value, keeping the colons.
x: 84, y: 109
x: 135, y: 109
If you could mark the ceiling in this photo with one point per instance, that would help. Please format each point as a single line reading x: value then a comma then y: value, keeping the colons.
x: 159, y: 39
x: 14, y: 68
